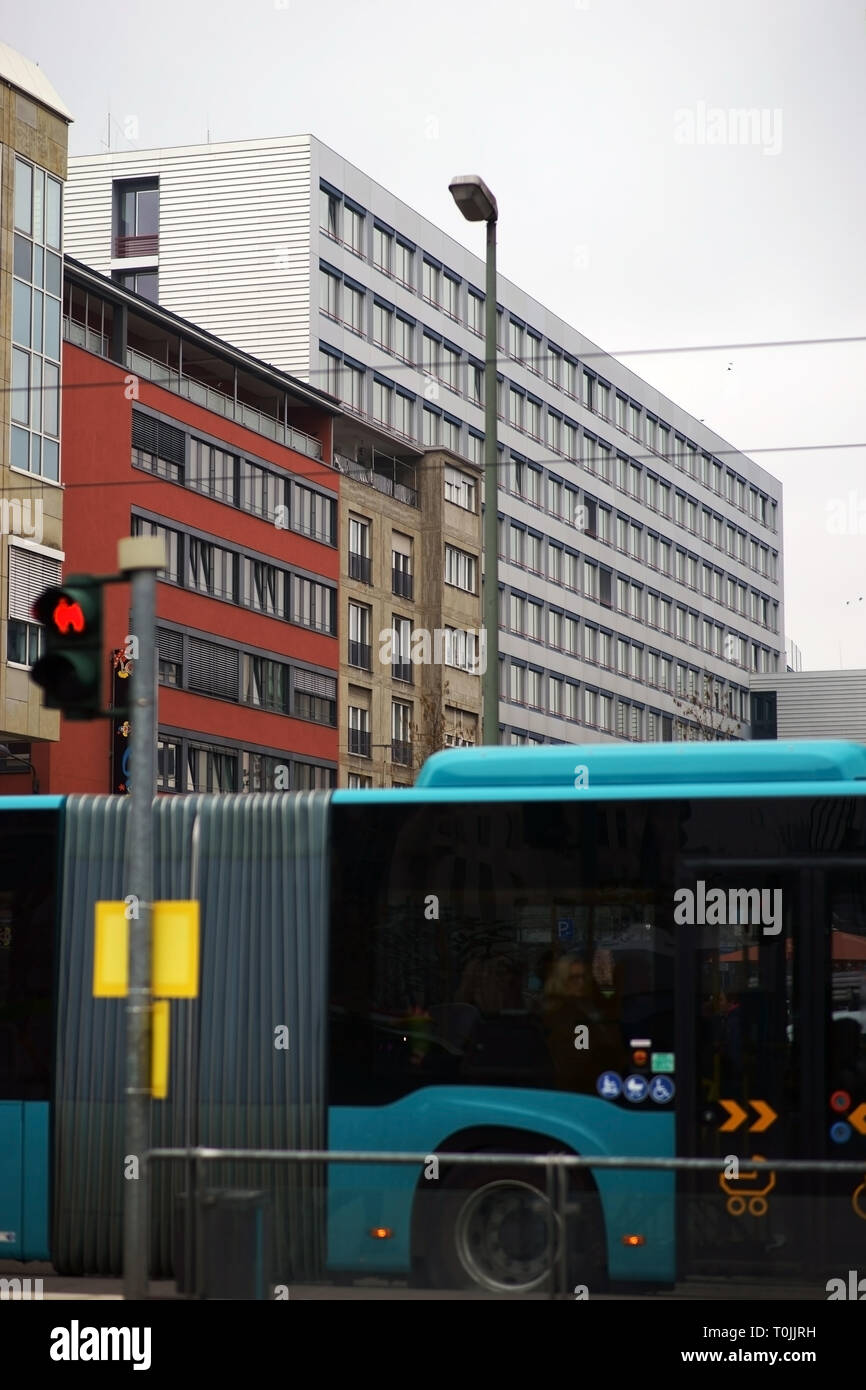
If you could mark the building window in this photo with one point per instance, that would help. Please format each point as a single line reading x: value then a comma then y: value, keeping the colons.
x: 212, y: 669
x: 160, y: 448
x: 404, y: 414
x: 431, y: 420
x: 211, y: 769
x: 401, y: 565
x: 359, y: 731
x: 404, y: 263
x: 144, y: 283
x: 382, y: 248
x: 313, y: 605
x: 383, y: 319
x: 452, y: 296
x: 168, y: 761
x: 353, y: 229
x: 314, y: 514
x: 475, y: 312
x: 401, y: 733
x: 264, y: 588
x: 430, y: 281
x: 170, y: 657
x: 171, y: 539
x: 360, y: 562
x: 314, y: 697
x: 329, y: 205
x: 360, y: 651
x: 460, y: 569
x: 353, y: 308
x: 329, y: 296
x: 404, y: 339
x: 401, y: 654
x: 382, y: 401
x: 460, y: 489
x: 36, y: 293
x: 353, y: 388
x: 266, y: 683
x: 29, y: 573
x: 136, y: 218
x: 210, y: 569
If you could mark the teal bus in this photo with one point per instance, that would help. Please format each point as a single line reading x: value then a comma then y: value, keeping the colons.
x: 634, y: 951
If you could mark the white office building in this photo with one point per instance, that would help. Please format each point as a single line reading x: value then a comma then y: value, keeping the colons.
x: 640, y: 562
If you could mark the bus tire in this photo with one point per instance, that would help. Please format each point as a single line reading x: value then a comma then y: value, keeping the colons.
x: 488, y: 1230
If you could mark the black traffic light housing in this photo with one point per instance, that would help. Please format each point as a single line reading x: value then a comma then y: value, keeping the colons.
x: 71, y: 669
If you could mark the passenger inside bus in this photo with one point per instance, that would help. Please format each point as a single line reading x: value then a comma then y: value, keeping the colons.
x: 573, y: 1001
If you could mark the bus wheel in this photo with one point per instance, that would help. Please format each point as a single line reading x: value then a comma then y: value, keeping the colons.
x: 494, y: 1233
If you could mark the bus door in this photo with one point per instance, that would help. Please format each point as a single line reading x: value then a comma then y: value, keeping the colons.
x: 739, y: 927
x: 838, y: 1006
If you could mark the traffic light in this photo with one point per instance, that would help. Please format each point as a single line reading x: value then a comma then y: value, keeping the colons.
x: 71, y: 669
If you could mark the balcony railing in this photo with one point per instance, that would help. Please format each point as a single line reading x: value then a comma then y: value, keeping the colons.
x: 85, y: 337
x: 380, y: 472
x: 361, y: 655
x: 401, y: 583
x: 123, y: 246
x: 359, y: 742
x: 402, y: 671
x: 401, y: 752
x: 211, y: 399
x: 360, y: 567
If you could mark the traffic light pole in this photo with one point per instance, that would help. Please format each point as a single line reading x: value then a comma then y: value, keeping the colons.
x: 140, y: 558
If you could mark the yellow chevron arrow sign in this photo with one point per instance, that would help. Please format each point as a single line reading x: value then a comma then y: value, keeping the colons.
x: 765, y: 1113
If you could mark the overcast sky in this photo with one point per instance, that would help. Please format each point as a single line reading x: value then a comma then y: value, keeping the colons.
x: 631, y: 202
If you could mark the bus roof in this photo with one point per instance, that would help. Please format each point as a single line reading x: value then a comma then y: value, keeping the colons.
x: 659, y: 765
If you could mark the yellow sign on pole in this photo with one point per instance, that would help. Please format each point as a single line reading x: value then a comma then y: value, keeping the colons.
x: 174, y: 950
x: 159, y: 1049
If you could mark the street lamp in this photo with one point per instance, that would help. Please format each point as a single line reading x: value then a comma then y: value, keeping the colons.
x: 478, y: 204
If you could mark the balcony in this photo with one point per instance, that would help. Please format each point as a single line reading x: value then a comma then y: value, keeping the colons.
x: 173, y: 380
x: 359, y: 742
x: 401, y: 583
x: 361, y: 655
x: 387, y: 475
x: 125, y: 246
x: 360, y: 567
x: 401, y: 752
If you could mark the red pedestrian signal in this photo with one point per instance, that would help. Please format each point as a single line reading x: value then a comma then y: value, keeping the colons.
x: 71, y: 669
x: 68, y: 616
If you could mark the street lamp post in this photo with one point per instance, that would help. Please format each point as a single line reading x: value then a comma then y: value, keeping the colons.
x: 478, y: 204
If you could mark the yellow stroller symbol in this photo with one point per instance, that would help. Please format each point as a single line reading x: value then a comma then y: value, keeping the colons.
x: 737, y: 1194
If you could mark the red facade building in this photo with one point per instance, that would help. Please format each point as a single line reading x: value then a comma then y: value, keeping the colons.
x: 167, y: 430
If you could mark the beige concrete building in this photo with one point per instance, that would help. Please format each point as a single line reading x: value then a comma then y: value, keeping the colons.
x: 410, y: 594
x: 34, y: 139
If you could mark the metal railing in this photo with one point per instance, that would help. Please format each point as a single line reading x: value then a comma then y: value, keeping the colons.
x: 359, y: 742
x: 360, y: 567
x: 401, y: 583
x: 360, y: 655
x: 555, y: 1166
x: 85, y: 337
x: 380, y: 472
x: 145, y: 245
x: 248, y: 416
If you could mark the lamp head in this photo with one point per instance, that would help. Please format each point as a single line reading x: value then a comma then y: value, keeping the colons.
x: 474, y: 198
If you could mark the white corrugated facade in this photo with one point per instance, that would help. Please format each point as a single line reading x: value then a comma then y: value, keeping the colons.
x: 817, y: 704
x: 234, y: 237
